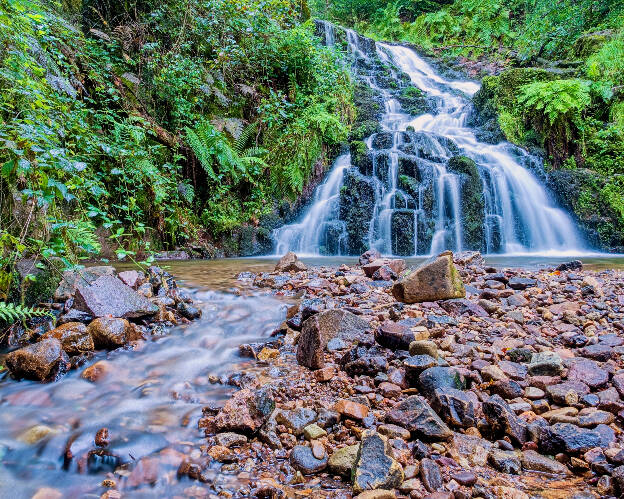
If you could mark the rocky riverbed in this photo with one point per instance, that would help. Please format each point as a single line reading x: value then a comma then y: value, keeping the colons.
x: 455, y: 380
x: 93, y: 309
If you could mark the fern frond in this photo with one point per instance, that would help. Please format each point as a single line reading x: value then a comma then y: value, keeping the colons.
x: 10, y: 313
x: 245, y: 137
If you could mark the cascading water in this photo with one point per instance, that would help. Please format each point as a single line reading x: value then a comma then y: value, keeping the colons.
x: 426, y: 183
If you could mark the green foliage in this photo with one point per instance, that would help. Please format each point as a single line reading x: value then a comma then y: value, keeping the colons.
x: 108, y: 132
x: 557, y: 100
x: 10, y: 313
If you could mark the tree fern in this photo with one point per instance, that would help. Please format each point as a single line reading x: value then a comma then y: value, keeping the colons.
x: 10, y: 313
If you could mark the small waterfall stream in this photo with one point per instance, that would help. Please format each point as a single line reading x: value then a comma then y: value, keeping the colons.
x: 427, y: 184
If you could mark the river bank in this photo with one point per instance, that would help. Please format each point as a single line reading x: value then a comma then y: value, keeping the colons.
x: 166, y: 405
x: 473, y: 398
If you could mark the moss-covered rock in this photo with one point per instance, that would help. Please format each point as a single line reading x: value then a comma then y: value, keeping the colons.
x: 585, y: 193
x: 403, y: 228
x: 585, y: 45
x: 357, y: 201
x: 413, y: 100
x: 472, y: 202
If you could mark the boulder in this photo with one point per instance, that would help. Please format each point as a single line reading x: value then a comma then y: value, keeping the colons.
x: 322, y: 327
x: 290, y: 263
x: 436, y: 279
x: 111, y: 332
x: 71, y: 279
x: 108, y: 296
x: 440, y: 377
x: 375, y: 466
x: 415, y: 414
x: 569, y: 438
x: 74, y: 338
x: 42, y: 361
x: 245, y: 412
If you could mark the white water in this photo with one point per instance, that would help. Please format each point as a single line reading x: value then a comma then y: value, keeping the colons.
x: 520, y: 216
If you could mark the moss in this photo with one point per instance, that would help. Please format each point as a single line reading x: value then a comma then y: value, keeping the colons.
x: 413, y: 100
x: 472, y: 201
x: 364, y: 129
x: 589, y: 43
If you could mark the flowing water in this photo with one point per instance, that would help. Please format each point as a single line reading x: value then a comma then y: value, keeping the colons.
x: 515, y: 213
x: 152, y: 399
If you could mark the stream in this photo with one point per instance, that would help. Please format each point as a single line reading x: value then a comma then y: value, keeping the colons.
x: 153, y: 396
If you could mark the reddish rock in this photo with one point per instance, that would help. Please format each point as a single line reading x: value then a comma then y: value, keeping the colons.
x: 350, y: 409
x: 73, y: 336
x: 245, y: 412
x: 290, y: 262
x: 97, y: 372
x: 43, y: 361
x: 111, y: 332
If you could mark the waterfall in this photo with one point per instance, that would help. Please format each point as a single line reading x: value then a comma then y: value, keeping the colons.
x: 413, y: 198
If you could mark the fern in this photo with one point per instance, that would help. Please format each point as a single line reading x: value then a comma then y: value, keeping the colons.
x: 10, y: 313
x: 245, y: 137
x: 557, y: 99
x: 212, y: 149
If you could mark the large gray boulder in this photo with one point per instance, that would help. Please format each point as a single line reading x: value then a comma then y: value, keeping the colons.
x: 322, y: 327
x: 108, y: 296
x: 436, y: 279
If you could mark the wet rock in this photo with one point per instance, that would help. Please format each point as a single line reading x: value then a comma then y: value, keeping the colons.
x: 97, y: 372
x: 573, y: 265
x: 440, y: 377
x: 533, y: 461
x: 520, y: 283
x: 230, y: 439
x: 436, y: 279
x: 430, y: 475
x: 467, y: 478
x: 342, y: 461
x: 599, y: 352
x: 461, y: 306
x: 132, y: 278
x: 108, y: 296
x: 313, y: 432
x: 36, y: 434
x: 569, y: 438
x: 74, y: 315
x: 415, y: 414
x: 393, y: 431
x: 588, y: 372
x: 545, y: 364
x: 369, y: 256
x: 43, y: 361
x: 395, y: 267
x: 423, y: 347
x: 302, y: 459
x: 375, y: 466
x: 245, y: 412
x: 188, y: 311
x: 415, y: 365
x: 567, y: 393
x: 394, y: 336
x: 74, y: 338
x: 102, y: 437
x: 455, y: 407
x: 110, y: 333
x: 503, y: 419
x: 290, y: 263
x: 351, y: 410
x: 322, y: 327
x: 507, y: 389
x: 505, y: 461
x: 297, y: 419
